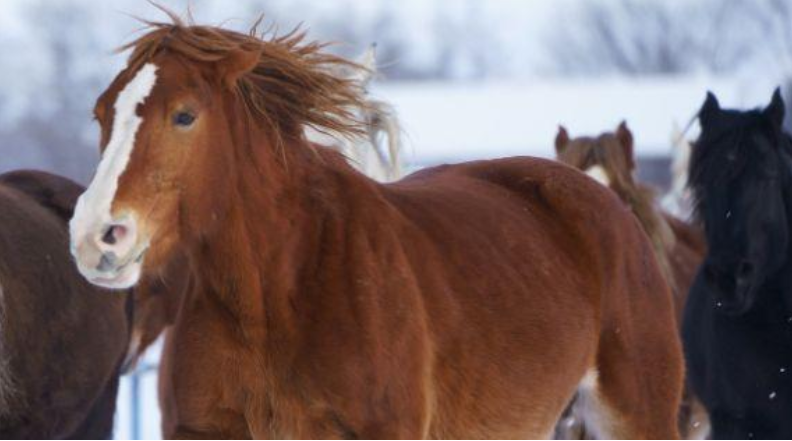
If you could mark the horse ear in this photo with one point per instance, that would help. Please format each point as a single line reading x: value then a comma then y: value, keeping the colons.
x: 367, y: 67
x: 775, y: 110
x: 562, y: 139
x: 625, y: 137
x: 238, y: 63
x: 710, y: 108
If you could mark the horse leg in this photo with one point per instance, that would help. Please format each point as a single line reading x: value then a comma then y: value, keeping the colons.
x: 99, y: 422
x: 630, y: 396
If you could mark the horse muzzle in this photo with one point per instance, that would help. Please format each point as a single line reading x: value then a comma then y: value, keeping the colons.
x: 110, y: 256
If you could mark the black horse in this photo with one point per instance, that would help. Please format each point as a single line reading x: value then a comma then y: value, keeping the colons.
x: 737, y: 325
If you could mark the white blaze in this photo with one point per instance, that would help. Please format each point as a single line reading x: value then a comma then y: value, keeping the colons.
x: 93, y: 207
x: 598, y: 174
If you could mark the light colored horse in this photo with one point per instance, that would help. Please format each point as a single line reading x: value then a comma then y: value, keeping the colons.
x: 377, y: 154
x: 678, y: 201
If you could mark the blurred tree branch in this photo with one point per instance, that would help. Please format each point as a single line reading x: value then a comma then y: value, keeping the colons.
x: 638, y: 37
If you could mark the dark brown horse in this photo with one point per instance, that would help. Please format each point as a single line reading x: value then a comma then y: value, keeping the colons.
x: 464, y: 301
x: 678, y: 246
x: 62, y: 340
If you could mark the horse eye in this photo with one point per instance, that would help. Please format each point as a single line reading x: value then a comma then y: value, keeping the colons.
x: 183, y: 119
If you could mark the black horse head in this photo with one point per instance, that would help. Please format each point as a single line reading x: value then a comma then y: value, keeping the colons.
x: 740, y: 174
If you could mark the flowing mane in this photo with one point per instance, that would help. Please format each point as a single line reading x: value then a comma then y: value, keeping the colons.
x: 291, y: 87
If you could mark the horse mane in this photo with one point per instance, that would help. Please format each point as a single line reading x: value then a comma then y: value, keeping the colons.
x: 606, y: 151
x: 291, y: 87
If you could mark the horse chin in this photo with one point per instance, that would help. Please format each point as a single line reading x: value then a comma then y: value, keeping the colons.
x: 741, y: 302
x: 125, y: 278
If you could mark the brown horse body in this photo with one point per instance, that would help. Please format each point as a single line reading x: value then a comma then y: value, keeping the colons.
x: 464, y: 301
x: 61, y: 339
x: 679, y: 246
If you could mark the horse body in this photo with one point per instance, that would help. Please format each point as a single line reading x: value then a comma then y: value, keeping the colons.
x: 427, y: 338
x: 62, y: 339
x: 464, y: 301
x: 738, y: 320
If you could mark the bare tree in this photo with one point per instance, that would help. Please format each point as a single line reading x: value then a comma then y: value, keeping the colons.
x: 55, y: 133
x: 637, y: 37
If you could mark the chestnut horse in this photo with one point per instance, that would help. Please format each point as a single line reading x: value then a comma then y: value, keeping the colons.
x: 61, y: 339
x: 463, y: 301
x: 679, y: 247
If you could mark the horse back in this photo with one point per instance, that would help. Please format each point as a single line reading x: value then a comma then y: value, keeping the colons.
x: 56, y: 193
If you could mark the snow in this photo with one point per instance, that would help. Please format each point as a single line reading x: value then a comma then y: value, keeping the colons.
x: 463, y: 121
x: 148, y: 412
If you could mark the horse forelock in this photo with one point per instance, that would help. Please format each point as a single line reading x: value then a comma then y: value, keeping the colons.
x: 723, y: 153
x: 294, y: 85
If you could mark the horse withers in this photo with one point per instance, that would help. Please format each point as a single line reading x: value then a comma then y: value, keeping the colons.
x: 463, y: 301
x: 738, y: 320
x: 62, y: 340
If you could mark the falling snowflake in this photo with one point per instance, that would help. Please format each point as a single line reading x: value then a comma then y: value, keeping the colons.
x: 772, y: 395
x: 782, y: 370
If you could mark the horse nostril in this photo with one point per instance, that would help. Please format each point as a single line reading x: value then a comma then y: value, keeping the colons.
x: 113, y: 234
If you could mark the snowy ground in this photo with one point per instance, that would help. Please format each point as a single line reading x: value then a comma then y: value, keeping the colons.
x: 138, y: 415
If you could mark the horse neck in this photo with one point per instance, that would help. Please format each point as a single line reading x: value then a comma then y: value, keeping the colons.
x: 253, y: 259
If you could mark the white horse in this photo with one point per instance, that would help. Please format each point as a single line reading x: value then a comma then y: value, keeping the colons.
x: 378, y: 154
